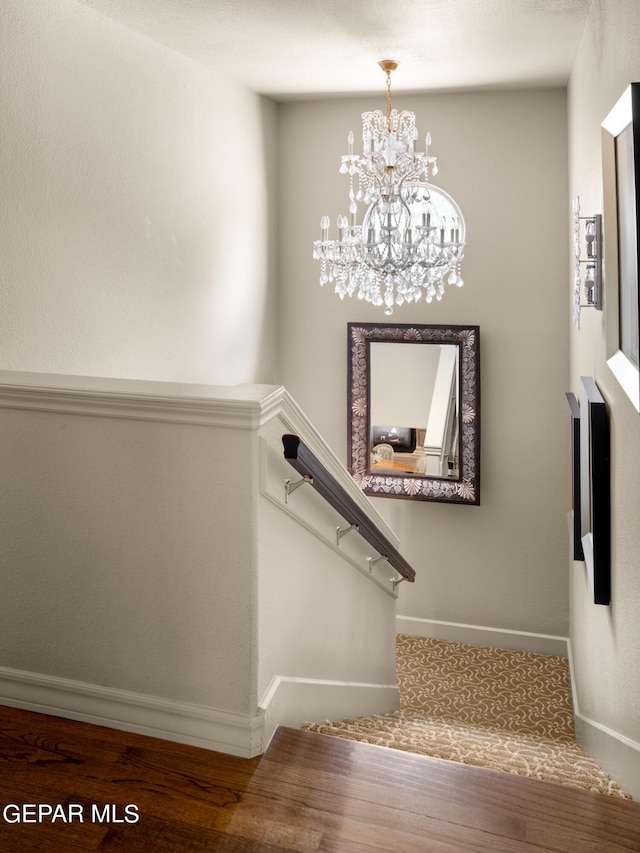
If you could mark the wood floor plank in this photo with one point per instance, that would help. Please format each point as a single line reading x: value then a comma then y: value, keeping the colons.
x: 558, y: 839
x: 307, y: 793
x: 387, y: 820
x: 155, y: 834
x: 446, y: 790
x: 212, y: 793
x: 275, y: 801
x: 48, y: 835
x: 426, y: 844
x: 40, y: 750
x: 367, y: 770
x: 42, y: 839
x: 374, y: 817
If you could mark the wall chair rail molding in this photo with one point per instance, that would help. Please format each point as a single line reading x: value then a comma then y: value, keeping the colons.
x: 621, y: 185
x: 239, y: 407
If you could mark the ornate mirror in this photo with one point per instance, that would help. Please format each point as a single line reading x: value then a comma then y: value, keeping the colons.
x: 414, y: 411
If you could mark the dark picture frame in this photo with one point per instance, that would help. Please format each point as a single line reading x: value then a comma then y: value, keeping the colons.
x: 595, y: 489
x: 621, y: 186
x: 574, y: 513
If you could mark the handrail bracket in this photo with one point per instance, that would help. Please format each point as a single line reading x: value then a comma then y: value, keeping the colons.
x: 372, y: 562
x: 290, y: 487
x: 342, y: 531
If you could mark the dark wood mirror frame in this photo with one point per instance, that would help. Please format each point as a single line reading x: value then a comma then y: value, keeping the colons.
x: 466, y: 488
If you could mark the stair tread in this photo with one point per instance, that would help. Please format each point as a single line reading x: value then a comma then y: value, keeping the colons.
x: 405, y: 790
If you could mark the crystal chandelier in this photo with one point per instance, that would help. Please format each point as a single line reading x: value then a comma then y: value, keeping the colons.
x: 412, y: 234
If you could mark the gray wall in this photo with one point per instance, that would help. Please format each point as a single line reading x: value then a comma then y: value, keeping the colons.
x: 135, y: 239
x: 503, y: 157
x: 606, y: 640
x: 122, y: 191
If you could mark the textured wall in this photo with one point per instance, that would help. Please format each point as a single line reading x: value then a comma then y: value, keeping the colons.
x: 126, y: 170
x: 126, y: 558
x: 319, y: 616
x: 503, y: 158
x: 147, y: 547
x: 606, y: 640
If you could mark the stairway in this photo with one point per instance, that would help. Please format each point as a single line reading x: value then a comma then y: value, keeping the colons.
x: 495, y: 708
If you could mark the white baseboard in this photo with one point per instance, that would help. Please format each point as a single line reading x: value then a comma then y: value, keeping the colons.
x: 287, y: 702
x: 615, y: 753
x: 222, y: 731
x: 498, y: 638
x: 294, y: 701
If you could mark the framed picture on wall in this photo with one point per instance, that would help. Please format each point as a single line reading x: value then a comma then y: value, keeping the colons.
x: 595, y: 499
x: 574, y: 513
x: 621, y: 177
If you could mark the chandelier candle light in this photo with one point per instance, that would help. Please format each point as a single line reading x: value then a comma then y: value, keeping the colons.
x: 412, y: 235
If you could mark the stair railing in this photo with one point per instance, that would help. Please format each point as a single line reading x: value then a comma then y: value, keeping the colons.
x: 320, y: 478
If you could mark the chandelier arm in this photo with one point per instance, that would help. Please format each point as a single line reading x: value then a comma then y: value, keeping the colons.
x: 396, y: 252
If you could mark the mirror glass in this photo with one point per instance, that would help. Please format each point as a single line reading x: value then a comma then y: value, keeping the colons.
x: 414, y: 411
x: 420, y: 428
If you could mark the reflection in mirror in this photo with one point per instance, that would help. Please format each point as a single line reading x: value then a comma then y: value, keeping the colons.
x: 419, y: 428
x: 414, y: 411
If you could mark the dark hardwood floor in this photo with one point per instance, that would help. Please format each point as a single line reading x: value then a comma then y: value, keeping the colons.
x: 307, y: 793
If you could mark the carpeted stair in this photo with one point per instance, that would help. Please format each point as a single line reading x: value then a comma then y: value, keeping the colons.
x: 495, y: 708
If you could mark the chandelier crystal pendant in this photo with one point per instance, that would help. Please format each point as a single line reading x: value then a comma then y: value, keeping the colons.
x: 412, y: 235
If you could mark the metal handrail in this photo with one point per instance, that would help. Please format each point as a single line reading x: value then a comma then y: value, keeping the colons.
x: 314, y: 472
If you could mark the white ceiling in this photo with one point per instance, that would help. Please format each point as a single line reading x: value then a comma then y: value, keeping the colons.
x: 302, y: 48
